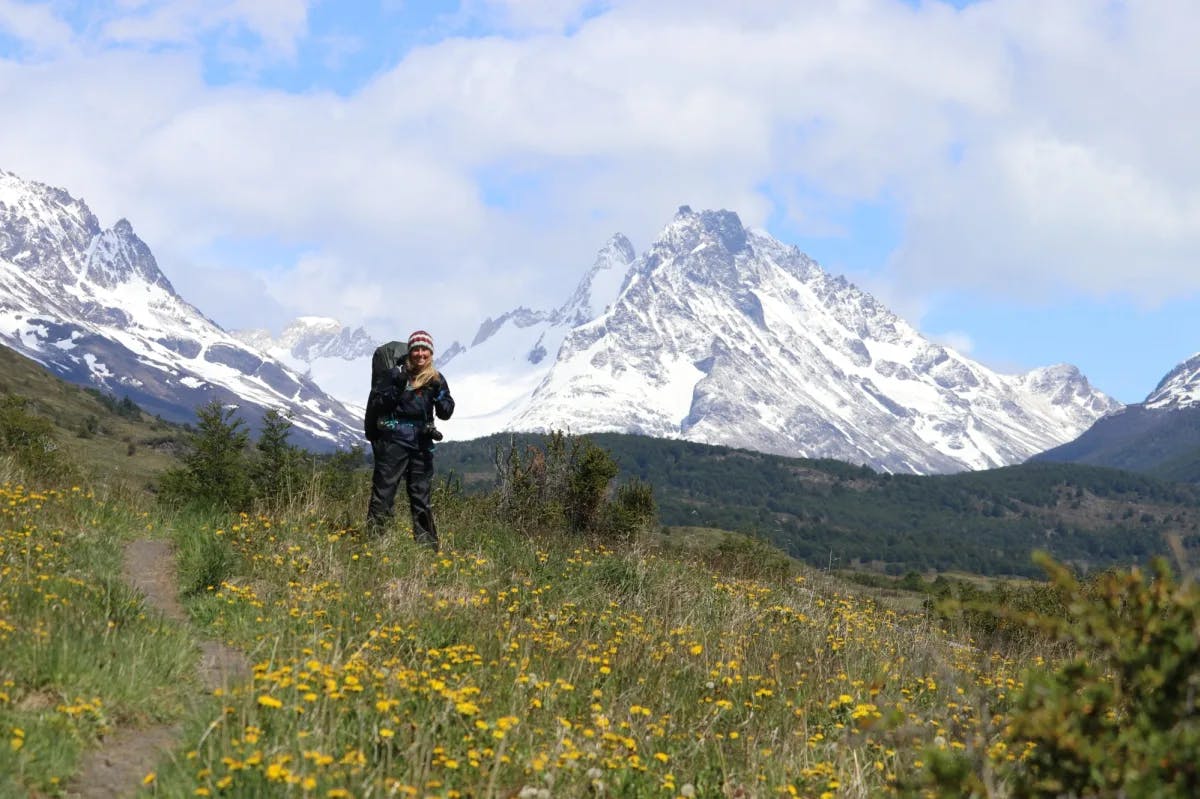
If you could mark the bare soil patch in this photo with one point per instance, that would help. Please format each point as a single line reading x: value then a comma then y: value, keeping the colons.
x: 125, y: 757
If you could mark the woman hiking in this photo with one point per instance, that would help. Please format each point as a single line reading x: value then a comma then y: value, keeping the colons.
x: 399, y: 424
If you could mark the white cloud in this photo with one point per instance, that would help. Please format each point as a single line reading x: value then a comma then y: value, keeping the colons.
x: 34, y: 27
x: 956, y: 340
x: 277, y: 24
x: 534, y: 15
x: 1032, y: 147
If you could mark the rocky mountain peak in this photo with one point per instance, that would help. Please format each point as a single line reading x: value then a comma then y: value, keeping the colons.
x: 93, y: 307
x: 618, y: 248
x: 118, y: 256
x: 42, y: 229
x: 691, y: 229
x: 706, y: 245
x: 309, y: 338
x: 1180, y: 388
x: 727, y: 336
x: 1064, y: 385
x: 601, y: 283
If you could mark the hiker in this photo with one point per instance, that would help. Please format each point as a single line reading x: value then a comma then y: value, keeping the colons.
x: 406, y: 392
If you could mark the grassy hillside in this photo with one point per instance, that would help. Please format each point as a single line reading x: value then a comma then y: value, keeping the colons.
x: 830, y: 513
x: 535, y: 662
x: 100, y: 434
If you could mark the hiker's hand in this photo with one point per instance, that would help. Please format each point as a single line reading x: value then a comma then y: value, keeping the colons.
x: 436, y: 385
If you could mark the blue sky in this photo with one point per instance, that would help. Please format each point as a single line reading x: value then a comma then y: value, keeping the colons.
x: 1017, y: 179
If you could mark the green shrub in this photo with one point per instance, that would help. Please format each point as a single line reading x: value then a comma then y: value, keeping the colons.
x: 1119, y: 716
x: 590, y: 471
x: 30, y: 441
x: 531, y: 484
x: 565, y: 484
x: 631, y: 511
x: 997, y: 617
x: 340, y: 479
x: 749, y: 558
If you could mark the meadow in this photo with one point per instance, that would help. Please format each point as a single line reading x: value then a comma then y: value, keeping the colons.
x: 525, y: 660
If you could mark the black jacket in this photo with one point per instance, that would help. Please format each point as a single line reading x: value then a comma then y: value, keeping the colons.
x: 397, y: 412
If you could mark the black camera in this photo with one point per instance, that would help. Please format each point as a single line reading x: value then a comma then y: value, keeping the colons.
x: 433, y: 432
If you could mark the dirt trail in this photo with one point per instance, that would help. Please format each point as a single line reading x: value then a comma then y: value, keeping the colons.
x: 116, y: 769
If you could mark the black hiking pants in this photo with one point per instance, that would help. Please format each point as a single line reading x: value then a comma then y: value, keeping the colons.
x: 393, y: 462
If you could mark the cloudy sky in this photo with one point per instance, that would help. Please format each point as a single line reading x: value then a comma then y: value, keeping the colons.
x: 1017, y: 178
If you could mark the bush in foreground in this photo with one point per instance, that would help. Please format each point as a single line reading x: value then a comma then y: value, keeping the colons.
x: 1119, y: 716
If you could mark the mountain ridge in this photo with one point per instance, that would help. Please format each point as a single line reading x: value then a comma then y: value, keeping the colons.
x: 1159, y: 436
x: 92, y: 305
x: 746, y: 341
x: 722, y: 334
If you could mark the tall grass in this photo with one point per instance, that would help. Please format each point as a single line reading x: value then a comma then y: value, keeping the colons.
x: 82, y: 655
x: 549, y: 665
x: 519, y: 662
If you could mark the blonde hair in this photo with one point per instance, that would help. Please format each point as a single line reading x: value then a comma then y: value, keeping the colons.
x: 418, y: 379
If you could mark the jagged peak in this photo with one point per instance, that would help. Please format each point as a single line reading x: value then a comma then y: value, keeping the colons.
x: 304, y: 323
x: 1180, y: 386
x: 117, y: 255
x: 44, y: 205
x: 706, y: 245
x: 619, y: 245
x: 690, y: 229
x: 521, y: 317
x: 600, y: 285
x: 1055, y: 372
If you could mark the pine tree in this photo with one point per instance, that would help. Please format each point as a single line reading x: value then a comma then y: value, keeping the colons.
x: 277, y: 469
x: 215, y: 468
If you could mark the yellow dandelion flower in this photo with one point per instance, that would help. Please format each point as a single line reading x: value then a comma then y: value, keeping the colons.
x: 266, y: 700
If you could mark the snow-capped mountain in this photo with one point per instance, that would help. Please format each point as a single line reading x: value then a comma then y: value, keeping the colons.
x: 334, y: 356
x: 505, y: 361
x: 724, y: 335
x: 91, y: 305
x: 512, y: 354
x: 1179, y: 389
x: 1160, y: 435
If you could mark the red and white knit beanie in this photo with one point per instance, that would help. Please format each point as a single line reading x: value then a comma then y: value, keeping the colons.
x: 420, y: 338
